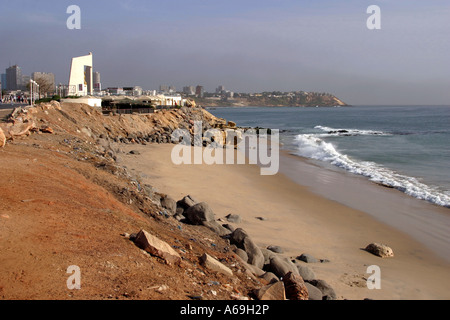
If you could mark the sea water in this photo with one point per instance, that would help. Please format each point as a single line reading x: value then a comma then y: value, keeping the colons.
x: 402, y: 147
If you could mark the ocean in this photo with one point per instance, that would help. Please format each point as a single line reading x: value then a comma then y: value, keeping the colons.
x: 391, y: 162
x: 403, y: 147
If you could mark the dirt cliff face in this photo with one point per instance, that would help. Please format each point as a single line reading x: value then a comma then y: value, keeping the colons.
x: 65, y: 202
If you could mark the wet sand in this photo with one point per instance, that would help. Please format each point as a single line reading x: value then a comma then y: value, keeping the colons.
x: 302, y: 221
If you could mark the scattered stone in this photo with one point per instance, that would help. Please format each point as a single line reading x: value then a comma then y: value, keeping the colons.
x: 295, y: 287
x: 235, y: 218
x: 313, y: 292
x: 135, y: 152
x: 187, y: 202
x: 157, y: 247
x: 241, y: 239
x: 242, y: 254
x: 307, y: 258
x: 305, y: 272
x: 162, y: 288
x: 216, y: 227
x: 328, y: 292
x: 380, y: 250
x: 214, y: 265
x: 275, y: 291
x: 275, y: 249
x: 267, y: 255
x: 55, y: 104
x: 281, y: 267
x: 169, y: 204
x: 250, y: 270
x: 270, y: 277
x: 229, y: 227
x: 261, y: 218
x: 199, y: 213
x: 46, y: 130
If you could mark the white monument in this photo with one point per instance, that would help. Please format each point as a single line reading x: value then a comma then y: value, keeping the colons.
x: 81, y: 81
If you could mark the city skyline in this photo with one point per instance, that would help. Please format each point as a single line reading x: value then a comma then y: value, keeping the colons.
x: 246, y: 46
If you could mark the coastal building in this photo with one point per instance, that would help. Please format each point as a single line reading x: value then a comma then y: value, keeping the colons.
x: 81, y: 82
x: 220, y: 89
x: 189, y: 90
x: 172, y: 100
x: 199, y: 91
x: 135, y: 91
x: 115, y: 91
x: 3, y: 81
x: 14, y: 78
x: 97, y: 82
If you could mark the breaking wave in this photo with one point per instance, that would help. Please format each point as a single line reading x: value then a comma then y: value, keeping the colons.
x: 350, y: 132
x: 312, y: 146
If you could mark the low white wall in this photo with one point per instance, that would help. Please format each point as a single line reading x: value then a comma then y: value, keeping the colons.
x: 97, y: 103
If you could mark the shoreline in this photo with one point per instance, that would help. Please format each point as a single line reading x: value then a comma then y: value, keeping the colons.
x: 406, y: 213
x: 301, y: 221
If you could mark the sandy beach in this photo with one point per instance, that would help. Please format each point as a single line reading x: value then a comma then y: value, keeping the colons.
x: 301, y: 221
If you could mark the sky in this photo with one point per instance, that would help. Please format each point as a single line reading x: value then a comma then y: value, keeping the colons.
x: 246, y: 45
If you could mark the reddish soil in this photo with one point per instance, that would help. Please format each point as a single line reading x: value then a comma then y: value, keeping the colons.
x: 57, y: 211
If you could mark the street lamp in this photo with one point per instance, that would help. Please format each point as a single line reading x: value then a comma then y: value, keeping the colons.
x: 34, y: 86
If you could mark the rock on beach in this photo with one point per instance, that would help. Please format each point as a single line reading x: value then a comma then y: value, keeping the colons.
x: 380, y: 250
x: 156, y: 247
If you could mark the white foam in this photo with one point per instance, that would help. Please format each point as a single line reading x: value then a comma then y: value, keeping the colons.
x: 347, y: 132
x: 311, y: 146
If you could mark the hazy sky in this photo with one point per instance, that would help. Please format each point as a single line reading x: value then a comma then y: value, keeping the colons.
x: 246, y: 45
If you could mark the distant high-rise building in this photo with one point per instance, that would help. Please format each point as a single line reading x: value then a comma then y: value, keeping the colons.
x: 4, y: 82
x: 163, y: 88
x: 189, y: 90
x: 220, y: 89
x: 97, y: 82
x: 199, y: 91
x: 14, y: 78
